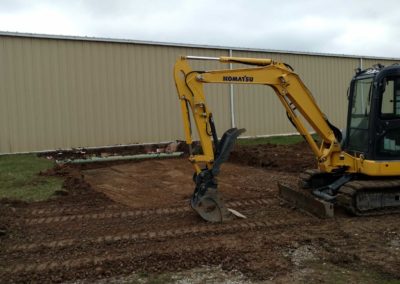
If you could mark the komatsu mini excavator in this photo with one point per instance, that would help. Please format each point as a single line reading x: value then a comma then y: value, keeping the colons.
x: 360, y: 172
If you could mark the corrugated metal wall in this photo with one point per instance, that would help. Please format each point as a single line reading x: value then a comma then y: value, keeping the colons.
x: 326, y: 77
x: 60, y: 93
x: 63, y: 94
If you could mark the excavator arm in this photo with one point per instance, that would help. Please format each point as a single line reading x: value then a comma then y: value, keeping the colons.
x: 297, y: 100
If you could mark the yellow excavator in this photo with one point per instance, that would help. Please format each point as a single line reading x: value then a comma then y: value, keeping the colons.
x: 360, y: 172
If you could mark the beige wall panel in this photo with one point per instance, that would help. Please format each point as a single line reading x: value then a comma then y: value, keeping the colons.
x: 261, y: 113
x: 5, y: 103
x: 62, y: 93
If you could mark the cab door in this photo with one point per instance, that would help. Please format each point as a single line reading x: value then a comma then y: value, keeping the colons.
x: 388, y: 120
x: 357, y: 136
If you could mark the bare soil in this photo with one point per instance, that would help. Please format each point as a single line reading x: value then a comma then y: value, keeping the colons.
x: 294, y: 158
x: 115, y: 220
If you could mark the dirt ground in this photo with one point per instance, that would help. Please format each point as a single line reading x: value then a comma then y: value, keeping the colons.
x: 131, y: 223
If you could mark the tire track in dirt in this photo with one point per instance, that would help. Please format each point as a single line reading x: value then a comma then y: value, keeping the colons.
x: 125, y: 227
x: 141, y: 213
x: 172, y: 233
x: 279, y: 237
x: 314, y: 232
x: 105, y: 257
x: 68, y: 209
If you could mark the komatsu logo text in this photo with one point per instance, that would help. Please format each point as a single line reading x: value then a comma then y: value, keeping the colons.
x: 237, y: 79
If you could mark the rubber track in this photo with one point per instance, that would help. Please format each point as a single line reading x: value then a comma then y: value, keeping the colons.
x: 348, y: 191
x: 176, y: 233
x: 140, y: 213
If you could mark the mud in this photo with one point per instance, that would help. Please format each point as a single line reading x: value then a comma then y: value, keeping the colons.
x: 119, y: 219
x: 294, y: 158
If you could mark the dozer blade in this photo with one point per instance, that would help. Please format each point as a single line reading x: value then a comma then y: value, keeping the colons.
x: 304, y: 200
x: 210, y: 207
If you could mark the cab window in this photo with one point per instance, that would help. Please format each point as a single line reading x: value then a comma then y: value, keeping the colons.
x: 359, y: 117
x: 390, y: 103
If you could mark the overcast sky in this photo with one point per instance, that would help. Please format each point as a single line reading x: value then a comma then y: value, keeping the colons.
x: 362, y: 27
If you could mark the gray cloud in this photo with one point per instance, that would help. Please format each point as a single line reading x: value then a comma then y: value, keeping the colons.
x: 341, y: 26
x: 11, y: 6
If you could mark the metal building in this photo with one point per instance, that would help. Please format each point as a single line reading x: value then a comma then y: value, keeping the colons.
x: 59, y: 92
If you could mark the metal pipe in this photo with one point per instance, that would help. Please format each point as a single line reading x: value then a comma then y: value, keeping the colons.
x: 121, y: 158
x: 233, y: 124
x: 200, y: 58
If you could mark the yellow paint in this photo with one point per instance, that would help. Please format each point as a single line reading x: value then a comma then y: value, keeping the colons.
x: 295, y: 98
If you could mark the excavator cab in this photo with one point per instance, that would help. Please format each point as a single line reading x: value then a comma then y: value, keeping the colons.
x: 373, y: 130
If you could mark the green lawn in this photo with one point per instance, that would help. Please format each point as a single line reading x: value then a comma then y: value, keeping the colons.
x: 19, y: 179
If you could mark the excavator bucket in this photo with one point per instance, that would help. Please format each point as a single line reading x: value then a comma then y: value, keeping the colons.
x: 206, y: 200
x: 306, y: 201
x: 210, y: 207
